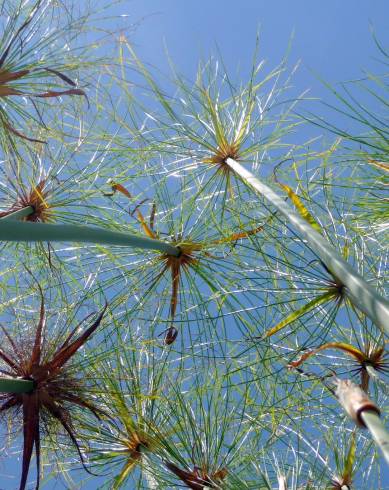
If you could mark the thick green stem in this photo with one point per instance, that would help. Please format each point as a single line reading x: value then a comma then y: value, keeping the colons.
x: 19, y: 214
x: 13, y: 385
x: 362, y: 295
x: 16, y: 231
x: 377, y: 430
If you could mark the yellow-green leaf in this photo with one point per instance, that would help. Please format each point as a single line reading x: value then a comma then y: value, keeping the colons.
x: 323, y: 298
x: 217, y: 123
x: 350, y: 459
x: 381, y: 165
x: 301, y: 208
x: 242, y: 129
x: 237, y: 236
x: 127, y: 468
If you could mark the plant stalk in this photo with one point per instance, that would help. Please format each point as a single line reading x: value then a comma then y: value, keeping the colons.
x: 362, y: 295
x: 14, y: 385
x: 372, y: 372
x: 377, y: 430
x: 16, y: 231
x: 19, y: 214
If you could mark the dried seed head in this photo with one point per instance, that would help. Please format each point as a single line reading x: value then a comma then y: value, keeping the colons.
x: 185, y: 260
x: 354, y: 400
x: 170, y: 335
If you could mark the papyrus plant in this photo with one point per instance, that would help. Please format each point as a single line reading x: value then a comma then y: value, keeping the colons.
x: 34, y: 67
x: 204, y: 135
x: 57, y: 388
x: 172, y: 224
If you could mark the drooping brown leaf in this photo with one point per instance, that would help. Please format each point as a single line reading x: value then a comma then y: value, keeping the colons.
x: 6, y: 91
x: 7, y: 76
x: 14, y: 131
x: 347, y: 348
x: 66, y: 352
x: 373, y: 357
x: 62, y: 76
x: 58, y: 93
x: 238, y: 236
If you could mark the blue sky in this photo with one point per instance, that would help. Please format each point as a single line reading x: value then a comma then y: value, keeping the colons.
x: 332, y: 39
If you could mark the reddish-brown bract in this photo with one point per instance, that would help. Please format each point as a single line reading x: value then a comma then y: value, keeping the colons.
x: 197, y: 479
x: 56, y: 386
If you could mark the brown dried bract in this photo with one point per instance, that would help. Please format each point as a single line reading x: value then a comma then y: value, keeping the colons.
x: 176, y: 265
x: 198, y: 478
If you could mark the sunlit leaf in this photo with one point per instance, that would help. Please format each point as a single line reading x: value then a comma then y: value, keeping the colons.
x: 301, y: 208
x: 295, y: 315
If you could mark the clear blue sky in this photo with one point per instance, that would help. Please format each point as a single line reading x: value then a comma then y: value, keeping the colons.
x: 332, y: 38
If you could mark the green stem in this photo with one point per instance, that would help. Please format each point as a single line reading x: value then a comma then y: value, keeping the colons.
x: 377, y: 430
x: 20, y: 213
x: 14, y: 385
x: 16, y: 231
x: 374, y: 374
x: 362, y: 295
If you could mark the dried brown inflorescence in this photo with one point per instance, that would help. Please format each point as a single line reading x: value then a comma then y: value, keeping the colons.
x: 57, y: 389
x: 135, y: 443
x: 222, y: 154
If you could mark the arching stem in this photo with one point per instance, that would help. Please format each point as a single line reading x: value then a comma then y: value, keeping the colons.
x: 377, y: 429
x: 13, y: 385
x: 16, y: 231
x: 19, y: 214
